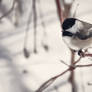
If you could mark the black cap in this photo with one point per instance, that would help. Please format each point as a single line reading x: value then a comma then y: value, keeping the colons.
x: 68, y: 23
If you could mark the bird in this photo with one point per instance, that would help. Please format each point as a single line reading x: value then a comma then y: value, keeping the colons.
x: 76, y: 34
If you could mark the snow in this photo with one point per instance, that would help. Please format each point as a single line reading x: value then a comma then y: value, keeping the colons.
x: 20, y: 74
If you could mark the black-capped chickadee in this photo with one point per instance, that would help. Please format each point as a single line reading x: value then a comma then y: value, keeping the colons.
x: 76, y: 34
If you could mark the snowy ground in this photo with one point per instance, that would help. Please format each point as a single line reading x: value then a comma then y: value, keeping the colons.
x: 43, y: 65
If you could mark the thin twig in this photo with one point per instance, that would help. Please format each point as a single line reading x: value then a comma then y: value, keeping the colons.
x: 64, y: 63
x: 87, y: 55
x: 80, y: 66
x: 50, y: 81
x: 44, y: 27
x: 26, y: 53
x: 78, y: 60
x: 67, y: 8
x: 41, y: 17
x: 75, y: 11
x: 35, y: 26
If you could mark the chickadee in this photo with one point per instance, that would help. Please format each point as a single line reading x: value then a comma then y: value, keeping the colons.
x: 76, y: 34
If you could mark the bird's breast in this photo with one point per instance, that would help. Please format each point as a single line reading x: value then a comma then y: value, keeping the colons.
x: 76, y: 44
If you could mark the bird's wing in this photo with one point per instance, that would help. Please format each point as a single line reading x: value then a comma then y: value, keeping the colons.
x: 85, y: 24
x: 85, y: 32
x: 82, y: 36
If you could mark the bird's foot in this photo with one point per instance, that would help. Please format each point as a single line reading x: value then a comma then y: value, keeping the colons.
x: 81, y: 53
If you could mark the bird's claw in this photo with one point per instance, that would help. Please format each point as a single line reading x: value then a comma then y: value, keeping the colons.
x: 81, y: 53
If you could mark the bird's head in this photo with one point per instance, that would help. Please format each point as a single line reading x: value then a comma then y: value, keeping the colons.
x: 69, y: 26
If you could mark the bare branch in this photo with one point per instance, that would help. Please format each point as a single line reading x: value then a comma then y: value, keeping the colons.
x: 75, y: 11
x: 67, y: 8
x: 35, y: 25
x: 44, y: 28
x: 26, y: 52
x: 80, y: 66
x: 78, y: 60
x: 64, y: 63
x: 88, y: 55
x: 59, y: 11
x: 50, y: 81
x: 72, y: 75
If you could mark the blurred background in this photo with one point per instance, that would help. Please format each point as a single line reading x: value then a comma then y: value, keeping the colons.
x: 31, y: 45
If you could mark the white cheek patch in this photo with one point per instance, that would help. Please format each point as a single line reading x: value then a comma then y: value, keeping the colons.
x: 75, y: 28
x: 79, y: 24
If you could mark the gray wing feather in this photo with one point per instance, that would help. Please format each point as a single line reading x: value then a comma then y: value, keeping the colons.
x: 82, y: 36
x: 85, y: 32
